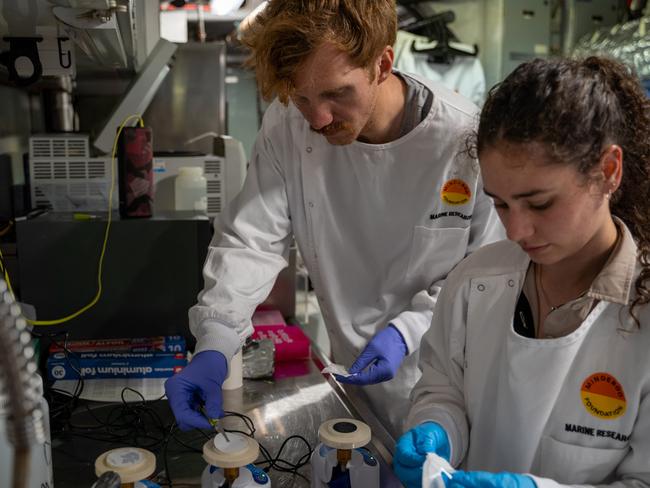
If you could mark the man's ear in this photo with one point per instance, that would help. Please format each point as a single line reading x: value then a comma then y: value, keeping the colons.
x: 385, y: 64
x: 611, y: 166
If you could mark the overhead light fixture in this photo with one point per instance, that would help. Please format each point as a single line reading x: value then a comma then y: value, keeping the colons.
x: 224, y: 7
x: 139, y: 93
x: 97, y: 33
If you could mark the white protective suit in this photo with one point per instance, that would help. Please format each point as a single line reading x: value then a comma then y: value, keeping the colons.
x: 378, y: 226
x: 572, y: 410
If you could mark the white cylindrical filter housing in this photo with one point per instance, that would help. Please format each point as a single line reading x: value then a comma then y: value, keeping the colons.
x: 191, y: 189
x: 40, y: 456
x: 132, y: 464
x: 234, y: 379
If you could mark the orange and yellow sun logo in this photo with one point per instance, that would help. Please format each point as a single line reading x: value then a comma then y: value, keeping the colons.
x: 455, y: 192
x: 603, y: 396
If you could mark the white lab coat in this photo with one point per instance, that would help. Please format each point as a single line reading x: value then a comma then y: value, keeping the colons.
x: 370, y: 223
x: 464, y: 75
x: 511, y: 403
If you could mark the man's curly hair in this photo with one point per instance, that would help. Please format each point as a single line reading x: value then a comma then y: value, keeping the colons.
x: 287, y: 32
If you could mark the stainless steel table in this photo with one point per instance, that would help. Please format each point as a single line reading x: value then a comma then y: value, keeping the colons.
x: 296, y: 401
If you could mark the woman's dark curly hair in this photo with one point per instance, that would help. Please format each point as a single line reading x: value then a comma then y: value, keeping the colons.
x: 575, y: 108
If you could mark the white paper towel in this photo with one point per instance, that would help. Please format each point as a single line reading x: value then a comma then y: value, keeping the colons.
x: 433, y: 471
x: 336, y: 369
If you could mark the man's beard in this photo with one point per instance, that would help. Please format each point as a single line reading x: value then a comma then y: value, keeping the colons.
x: 336, y: 128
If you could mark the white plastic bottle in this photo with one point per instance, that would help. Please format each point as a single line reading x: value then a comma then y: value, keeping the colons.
x: 190, y: 189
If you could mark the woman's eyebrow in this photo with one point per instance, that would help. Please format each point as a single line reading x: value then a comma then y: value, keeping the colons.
x: 517, y: 196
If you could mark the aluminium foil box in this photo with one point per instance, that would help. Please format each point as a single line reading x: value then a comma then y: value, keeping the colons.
x: 173, y: 344
x: 102, y: 365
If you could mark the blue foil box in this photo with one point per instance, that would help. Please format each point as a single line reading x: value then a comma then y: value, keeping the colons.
x: 101, y: 365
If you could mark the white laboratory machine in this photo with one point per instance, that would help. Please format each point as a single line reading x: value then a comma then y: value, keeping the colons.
x: 340, y: 460
x: 230, y: 463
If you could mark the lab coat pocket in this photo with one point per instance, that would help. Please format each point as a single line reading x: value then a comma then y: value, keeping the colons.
x: 434, y: 252
x: 573, y: 464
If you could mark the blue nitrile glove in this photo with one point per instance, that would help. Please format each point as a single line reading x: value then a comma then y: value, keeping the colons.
x: 199, y: 383
x: 382, y: 357
x: 412, y: 449
x: 483, y: 479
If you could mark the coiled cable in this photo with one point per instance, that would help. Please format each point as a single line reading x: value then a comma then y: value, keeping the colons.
x: 20, y: 383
